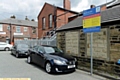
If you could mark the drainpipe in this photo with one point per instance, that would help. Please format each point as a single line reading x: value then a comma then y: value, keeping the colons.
x: 55, y: 10
x: 10, y: 33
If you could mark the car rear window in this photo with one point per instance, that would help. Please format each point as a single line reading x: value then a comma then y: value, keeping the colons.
x: 49, y: 50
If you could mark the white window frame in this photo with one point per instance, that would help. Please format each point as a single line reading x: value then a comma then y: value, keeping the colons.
x: 8, y: 27
x: 50, y: 20
x: 18, y: 29
x: 25, y: 29
x: 33, y: 30
x: 1, y: 27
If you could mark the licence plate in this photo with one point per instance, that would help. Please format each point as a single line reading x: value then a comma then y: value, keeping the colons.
x: 71, y: 66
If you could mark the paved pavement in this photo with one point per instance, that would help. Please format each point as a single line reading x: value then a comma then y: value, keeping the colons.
x: 11, y: 67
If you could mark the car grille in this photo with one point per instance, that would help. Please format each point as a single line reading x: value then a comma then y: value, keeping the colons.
x: 71, y: 62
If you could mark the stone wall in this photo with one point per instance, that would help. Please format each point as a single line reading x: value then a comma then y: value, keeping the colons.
x: 99, y: 45
x: 114, y: 42
x: 72, y: 42
x: 61, y: 40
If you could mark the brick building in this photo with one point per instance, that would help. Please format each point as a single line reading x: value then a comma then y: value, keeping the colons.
x: 13, y: 29
x: 53, y: 17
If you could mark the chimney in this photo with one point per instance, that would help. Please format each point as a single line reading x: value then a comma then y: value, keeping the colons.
x: 92, y: 6
x: 67, y: 4
x: 26, y: 18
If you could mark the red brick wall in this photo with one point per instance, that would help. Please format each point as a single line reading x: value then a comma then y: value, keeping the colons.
x: 13, y: 29
x: 47, y: 10
x: 61, y: 20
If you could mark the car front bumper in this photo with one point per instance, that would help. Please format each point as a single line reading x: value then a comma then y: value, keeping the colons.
x: 64, y: 68
x: 23, y: 53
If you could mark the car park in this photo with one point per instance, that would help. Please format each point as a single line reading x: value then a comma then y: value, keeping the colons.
x: 5, y: 46
x: 20, y: 50
x: 51, y: 59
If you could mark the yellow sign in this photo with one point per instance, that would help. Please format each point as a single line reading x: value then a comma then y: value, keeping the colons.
x: 91, y: 22
x: 15, y: 79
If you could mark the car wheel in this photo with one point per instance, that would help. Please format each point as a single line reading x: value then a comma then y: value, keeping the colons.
x: 29, y: 60
x: 7, y: 49
x: 11, y: 53
x: 17, y: 55
x: 48, y: 67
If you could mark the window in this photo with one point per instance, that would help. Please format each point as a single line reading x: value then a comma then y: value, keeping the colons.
x: 43, y: 22
x: 33, y: 30
x: 50, y: 20
x: 49, y: 50
x: 25, y: 29
x: 1, y: 27
x: 8, y: 28
x: 18, y: 29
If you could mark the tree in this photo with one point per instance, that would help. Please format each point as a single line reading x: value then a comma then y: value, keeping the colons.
x: 32, y: 20
x: 13, y: 16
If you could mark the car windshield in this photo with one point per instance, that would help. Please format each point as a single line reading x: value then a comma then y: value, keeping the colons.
x: 22, y: 46
x: 52, y: 50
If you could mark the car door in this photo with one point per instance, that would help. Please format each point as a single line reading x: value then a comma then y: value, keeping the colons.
x: 14, y: 49
x: 34, y: 54
x: 40, y: 56
x: 2, y: 45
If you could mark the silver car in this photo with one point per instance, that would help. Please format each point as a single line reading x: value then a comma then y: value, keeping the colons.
x: 5, y: 46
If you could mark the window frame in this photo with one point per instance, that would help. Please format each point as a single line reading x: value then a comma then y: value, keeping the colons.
x: 50, y: 21
x: 18, y: 29
x: 43, y: 23
x: 1, y: 27
x: 8, y: 28
x: 33, y: 30
x: 25, y: 29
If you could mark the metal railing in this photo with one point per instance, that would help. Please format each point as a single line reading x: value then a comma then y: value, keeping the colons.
x: 47, y: 41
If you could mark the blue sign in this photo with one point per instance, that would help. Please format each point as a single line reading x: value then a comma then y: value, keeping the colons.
x: 90, y: 22
x: 92, y: 11
x: 92, y: 29
x: 118, y: 61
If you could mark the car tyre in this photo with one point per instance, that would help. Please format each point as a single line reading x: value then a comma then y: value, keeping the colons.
x: 48, y: 67
x: 29, y: 60
x: 11, y: 53
x: 7, y: 49
x: 17, y: 55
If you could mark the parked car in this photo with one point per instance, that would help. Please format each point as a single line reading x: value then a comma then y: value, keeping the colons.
x: 5, y: 46
x: 20, y: 50
x: 52, y: 59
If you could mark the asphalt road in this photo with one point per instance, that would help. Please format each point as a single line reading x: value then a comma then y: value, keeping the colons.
x: 12, y: 67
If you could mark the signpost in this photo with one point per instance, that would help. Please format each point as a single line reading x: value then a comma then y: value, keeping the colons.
x: 91, y: 23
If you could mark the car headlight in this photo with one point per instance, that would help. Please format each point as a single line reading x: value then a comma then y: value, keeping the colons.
x: 59, y: 62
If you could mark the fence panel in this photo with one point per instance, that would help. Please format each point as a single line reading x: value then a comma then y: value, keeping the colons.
x: 37, y: 42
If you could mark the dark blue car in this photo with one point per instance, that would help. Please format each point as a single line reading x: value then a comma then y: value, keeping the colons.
x: 52, y: 59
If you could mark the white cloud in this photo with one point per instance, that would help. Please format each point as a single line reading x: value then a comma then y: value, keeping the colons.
x: 31, y: 8
x: 21, y: 8
x: 82, y: 5
x: 85, y: 4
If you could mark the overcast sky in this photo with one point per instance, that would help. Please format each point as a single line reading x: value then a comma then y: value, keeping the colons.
x: 31, y: 8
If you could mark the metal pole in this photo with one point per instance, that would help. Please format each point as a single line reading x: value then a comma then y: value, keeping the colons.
x: 91, y: 51
x: 55, y: 18
x: 10, y: 33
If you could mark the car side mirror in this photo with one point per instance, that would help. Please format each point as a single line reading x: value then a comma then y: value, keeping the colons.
x: 41, y: 52
x: 31, y: 47
x: 14, y: 47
